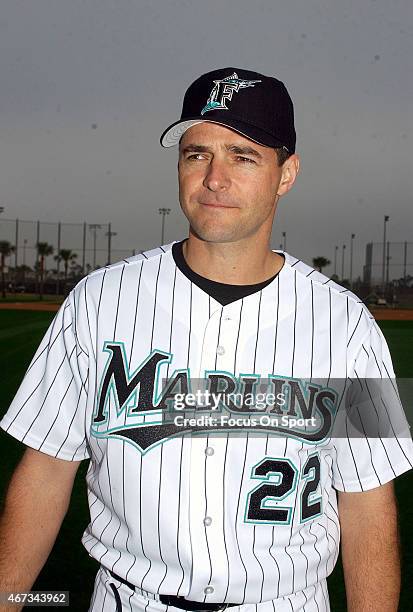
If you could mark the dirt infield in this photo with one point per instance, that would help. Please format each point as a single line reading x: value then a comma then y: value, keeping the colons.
x: 44, y: 306
x: 380, y: 314
x: 392, y: 314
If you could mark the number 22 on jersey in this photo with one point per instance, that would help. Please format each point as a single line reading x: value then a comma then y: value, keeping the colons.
x: 279, y: 477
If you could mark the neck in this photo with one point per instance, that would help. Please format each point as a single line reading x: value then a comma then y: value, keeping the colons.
x: 233, y: 263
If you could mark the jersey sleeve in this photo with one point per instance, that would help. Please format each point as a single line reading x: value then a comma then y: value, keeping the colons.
x: 372, y: 442
x: 48, y: 413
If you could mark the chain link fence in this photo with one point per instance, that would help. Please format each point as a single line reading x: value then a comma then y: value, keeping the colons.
x: 71, y: 250
x: 389, y: 263
x: 61, y: 253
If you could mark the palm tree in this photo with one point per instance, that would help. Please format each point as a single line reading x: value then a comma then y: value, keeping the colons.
x: 67, y: 256
x: 44, y: 249
x: 6, y: 249
x: 320, y: 262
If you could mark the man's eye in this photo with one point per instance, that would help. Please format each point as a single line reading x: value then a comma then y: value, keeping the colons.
x: 195, y: 156
x: 246, y: 160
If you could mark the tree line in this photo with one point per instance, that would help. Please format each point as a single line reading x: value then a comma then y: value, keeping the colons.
x: 43, y: 250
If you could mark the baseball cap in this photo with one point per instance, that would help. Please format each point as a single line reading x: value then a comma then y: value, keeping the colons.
x: 257, y: 106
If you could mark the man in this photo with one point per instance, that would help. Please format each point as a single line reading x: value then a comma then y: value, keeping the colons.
x: 185, y: 516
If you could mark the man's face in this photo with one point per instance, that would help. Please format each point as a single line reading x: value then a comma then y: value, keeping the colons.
x: 228, y: 184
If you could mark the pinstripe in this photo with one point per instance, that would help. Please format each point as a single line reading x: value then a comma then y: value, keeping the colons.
x: 353, y: 458
x: 140, y: 473
x: 395, y: 435
x: 236, y: 518
x: 378, y: 421
x: 75, y: 318
x: 112, y: 515
x: 49, y: 344
x: 110, y: 491
x: 390, y: 378
x: 325, y: 594
x: 190, y: 324
x: 179, y: 514
x: 136, y: 311
x: 82, y: 443
x: 119, y: 297
x: 31, y: 394
x: 159, y: 517
x: 295, y: 320
x: 58, y: 412
x: 107, y: 453
x: 315, y: 548
x: 312, y: 330
x: 172, y: 322
x: 223, y: 518
x: 306, y: 600
x: 276, y: 322
x: 140, y: 531
x: 238, y: 335
x: 257, y: 333
x: 315, y: 599
x: 206, y: 514
x: 276, y: 563
x: 105, y: 595
x: 123, y: 443
x: 292, y: 374
x: 354, y: 330
x: 330, y: 336
x: 305, y: 557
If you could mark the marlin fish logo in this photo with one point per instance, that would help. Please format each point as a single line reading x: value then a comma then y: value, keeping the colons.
x: 223, y: 90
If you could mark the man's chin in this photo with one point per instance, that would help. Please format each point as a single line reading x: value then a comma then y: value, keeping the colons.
x: 216, y: 235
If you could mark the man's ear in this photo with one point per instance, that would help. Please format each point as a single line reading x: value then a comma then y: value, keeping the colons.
x: 290, y: 170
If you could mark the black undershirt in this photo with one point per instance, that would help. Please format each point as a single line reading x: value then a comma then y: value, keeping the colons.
x: 221, y: 292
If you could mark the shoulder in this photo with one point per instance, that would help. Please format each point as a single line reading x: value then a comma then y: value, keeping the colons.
x: 342, y: 299
x: 110, y: 276
x: 322, y: 282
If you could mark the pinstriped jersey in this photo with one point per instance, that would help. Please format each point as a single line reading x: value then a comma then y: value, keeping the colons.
x: 212, y: 516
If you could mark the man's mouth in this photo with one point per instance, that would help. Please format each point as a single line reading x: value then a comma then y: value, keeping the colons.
x: 216, y: 205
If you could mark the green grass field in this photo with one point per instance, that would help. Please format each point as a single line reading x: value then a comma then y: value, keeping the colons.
x: 69, y: 566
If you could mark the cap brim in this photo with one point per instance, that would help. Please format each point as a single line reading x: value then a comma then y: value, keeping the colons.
x: 174, y: 132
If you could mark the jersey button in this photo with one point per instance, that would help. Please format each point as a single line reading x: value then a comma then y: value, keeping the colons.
x: 209, y: 590
x: 227, y: 318
x: 207, y: 521
x: 209, y: 451
x: 220, y: 350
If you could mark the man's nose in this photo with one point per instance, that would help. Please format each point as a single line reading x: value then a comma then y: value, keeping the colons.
x: 217, y: 177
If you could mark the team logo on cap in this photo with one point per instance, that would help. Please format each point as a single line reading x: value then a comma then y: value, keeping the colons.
x: 223, y: 90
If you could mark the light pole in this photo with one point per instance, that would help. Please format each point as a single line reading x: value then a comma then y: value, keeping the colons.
x: 387, y: 263
x: 351, y: 259
x: 93, y: 228
x: 109, y: 234
x: 342, y: 262
x: 163, y: 212
x: 335, y: 260
x: 24, y: 260
x: 284, y: 241
x: 386, y: 218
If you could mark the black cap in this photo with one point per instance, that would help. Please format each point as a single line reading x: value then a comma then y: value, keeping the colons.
x: 256, y: 106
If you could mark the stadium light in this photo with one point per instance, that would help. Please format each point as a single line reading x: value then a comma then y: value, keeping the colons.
x: 163, y: 212
x: 383, y: 279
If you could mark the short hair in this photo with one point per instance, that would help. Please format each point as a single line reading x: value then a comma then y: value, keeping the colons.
x: 282, y: 155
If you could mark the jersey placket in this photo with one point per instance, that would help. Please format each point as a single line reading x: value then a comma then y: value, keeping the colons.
x: 207, y: 470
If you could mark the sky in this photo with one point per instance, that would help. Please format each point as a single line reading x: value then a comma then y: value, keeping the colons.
x: 87, y: 87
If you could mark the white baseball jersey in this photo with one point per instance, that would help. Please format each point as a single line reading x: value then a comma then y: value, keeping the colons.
x: 211, y: 516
